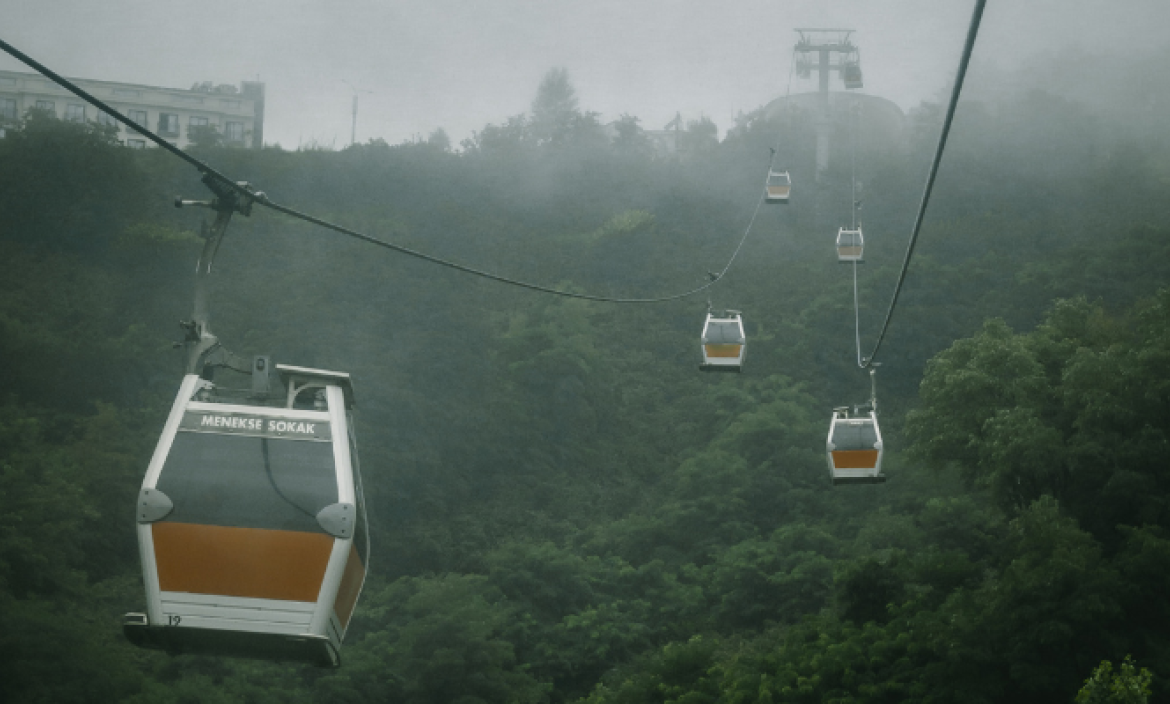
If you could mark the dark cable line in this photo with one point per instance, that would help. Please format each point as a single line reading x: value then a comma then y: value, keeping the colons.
x: 968, y: 47
x: 857, y: 230
x: 272, y: 481
x: 141, y: 129
x: 263, y: 199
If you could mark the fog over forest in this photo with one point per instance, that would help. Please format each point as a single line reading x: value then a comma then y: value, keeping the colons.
x: 459, y: 65
x: 561, y: 506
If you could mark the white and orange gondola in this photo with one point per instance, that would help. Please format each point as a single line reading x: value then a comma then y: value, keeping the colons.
x: 251, y: 523
x: 854, y: 448
x: 850, y: 245
x: 723, y: 342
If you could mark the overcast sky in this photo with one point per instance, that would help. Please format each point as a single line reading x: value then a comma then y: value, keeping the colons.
x: 459, y: 64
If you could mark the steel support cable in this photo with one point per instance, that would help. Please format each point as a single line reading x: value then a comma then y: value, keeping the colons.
x: 972, y: 33
x: 787, y: 107
x: 856, y: 316
x: 141, y: 129
x: 853, y: 177
x: 262, y: 199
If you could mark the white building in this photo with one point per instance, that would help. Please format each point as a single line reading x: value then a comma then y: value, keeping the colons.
x: 172, y: 113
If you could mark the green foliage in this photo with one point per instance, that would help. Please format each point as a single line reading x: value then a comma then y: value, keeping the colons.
x: 867, y: 590
x: 1128, y: 686
x: 775, y: 580
x: 562, y: 507
x: 554, y: 110
x: 442, y: 641
x: 1075, y: 410
x: 679, y: 674
x: 73, y: 183
x: 204, y: 136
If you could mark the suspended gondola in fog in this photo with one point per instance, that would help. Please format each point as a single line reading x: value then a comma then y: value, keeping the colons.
x: 854, y: 446
x: 723, y: 342
x: 850, y: 245
x: 855, y: 449
x: 251, y: 519
x: 851, y: 71
x: 251, y: 523
x: 778, y: 187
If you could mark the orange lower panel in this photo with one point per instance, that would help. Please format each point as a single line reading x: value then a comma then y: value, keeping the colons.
x: 722, y: 350
x: 849, y: 251
x: 778, y: 192
x: 855, y: 459
x: 351, y: 586
x: 244, y: 562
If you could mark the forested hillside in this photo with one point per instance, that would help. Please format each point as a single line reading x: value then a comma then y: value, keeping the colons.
x: 563, y: 508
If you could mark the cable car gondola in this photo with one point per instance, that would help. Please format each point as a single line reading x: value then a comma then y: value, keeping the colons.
x: 723, y: 342
x: 850, y: 245
x: 855, y: 449
x: 852, y: 76
x: 778, y: 187
x: 251, y: 523
x: 854, y: 446
x: 851, y: 70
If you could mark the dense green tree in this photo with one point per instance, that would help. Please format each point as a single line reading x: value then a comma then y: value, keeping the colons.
x: 554, y: 109
x: 561, y: 506
x: 1127, y: 686
x: 1075, y: 409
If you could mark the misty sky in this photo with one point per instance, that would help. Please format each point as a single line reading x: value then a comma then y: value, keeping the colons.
x: 459, y: 64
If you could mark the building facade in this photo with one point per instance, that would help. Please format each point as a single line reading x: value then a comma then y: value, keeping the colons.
x: 177, y: 115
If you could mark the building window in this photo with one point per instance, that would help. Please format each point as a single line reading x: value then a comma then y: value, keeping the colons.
x: 106, y: 120
x: 197, y: 122
x: 138, y: 117
x: 7, y: 108
x: 75, y: 112
x: 136, y: 143
x: 234, y: 132
x: 47, y: 106
x: 168, y: 124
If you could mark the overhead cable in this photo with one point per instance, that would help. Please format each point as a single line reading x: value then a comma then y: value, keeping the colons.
x: 968, y: 47
x: 262, y: 199
x: 141, y: 129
